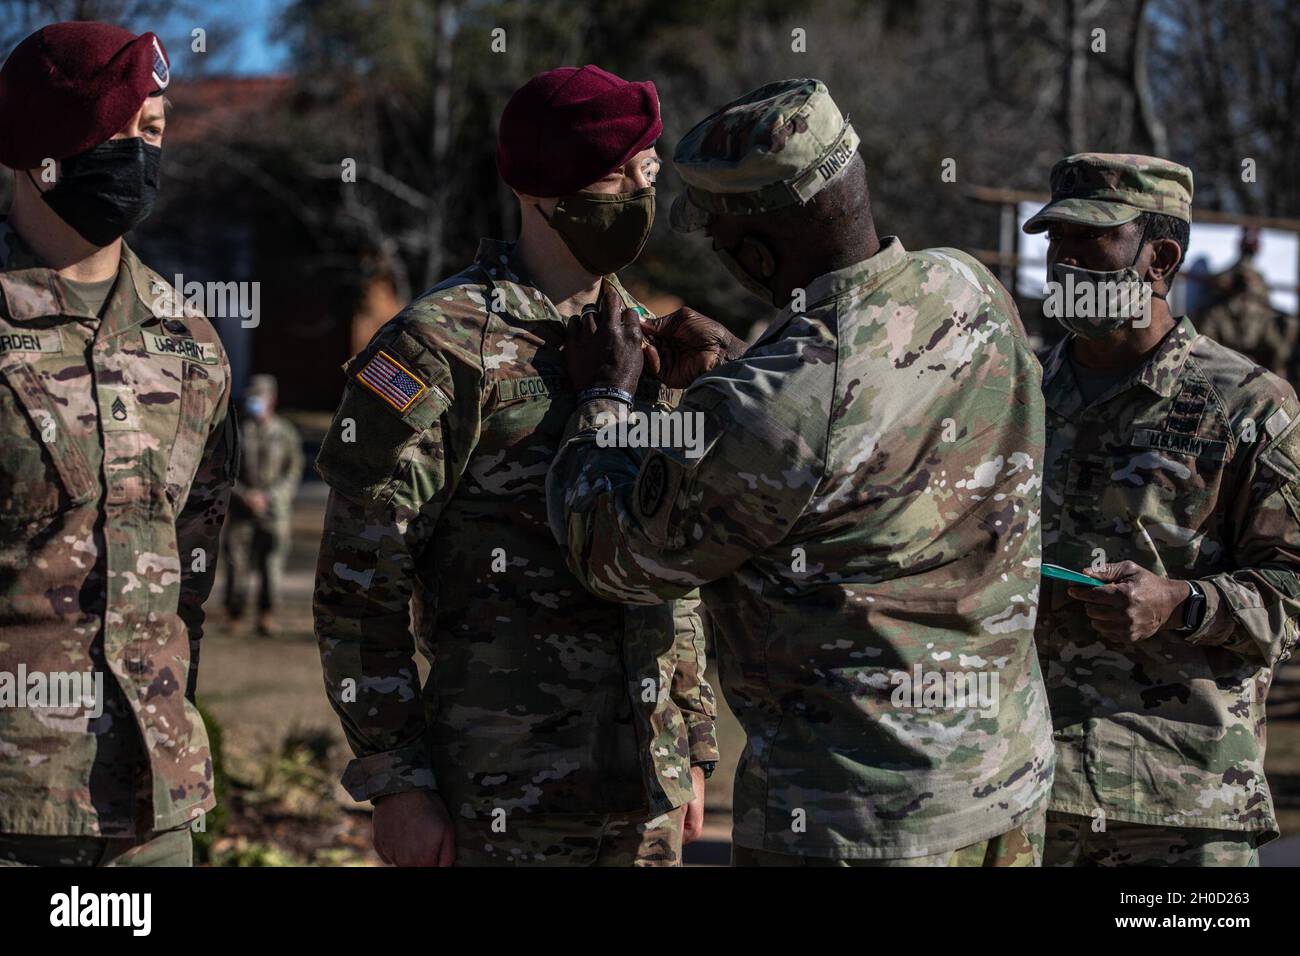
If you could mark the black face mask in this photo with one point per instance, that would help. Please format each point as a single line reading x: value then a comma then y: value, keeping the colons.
x: 108, y: 190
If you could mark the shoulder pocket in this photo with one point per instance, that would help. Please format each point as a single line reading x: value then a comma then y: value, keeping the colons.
x: 186, y: 453
x: 1283, y: 456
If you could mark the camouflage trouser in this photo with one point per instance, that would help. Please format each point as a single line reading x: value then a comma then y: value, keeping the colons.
x: 1071, y: 841
x: 251, y: 547
x: 1022, y: 846
x: 610, y: 840
x: 169, y: 848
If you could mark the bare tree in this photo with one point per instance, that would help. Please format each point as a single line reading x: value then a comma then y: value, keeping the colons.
x: 1151, y: 127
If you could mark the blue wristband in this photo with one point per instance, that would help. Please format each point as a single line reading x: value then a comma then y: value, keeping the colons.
x: 605, y: 391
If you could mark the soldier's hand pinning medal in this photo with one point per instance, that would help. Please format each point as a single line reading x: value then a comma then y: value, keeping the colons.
x: 603, y: 346
x: 683, y: 345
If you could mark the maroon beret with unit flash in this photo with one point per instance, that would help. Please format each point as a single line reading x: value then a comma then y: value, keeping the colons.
x: 565, y: 129
x: 71, y: 86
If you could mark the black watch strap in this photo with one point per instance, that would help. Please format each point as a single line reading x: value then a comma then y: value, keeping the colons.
x: 1195, y: 613
x: 708, y: 766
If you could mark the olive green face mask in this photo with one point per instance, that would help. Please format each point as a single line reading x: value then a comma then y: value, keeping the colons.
x: 604, y: 231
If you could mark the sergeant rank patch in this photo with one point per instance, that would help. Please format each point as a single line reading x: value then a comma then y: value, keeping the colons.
x: 391, y: 381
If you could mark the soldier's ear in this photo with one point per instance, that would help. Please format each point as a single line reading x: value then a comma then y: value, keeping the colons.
x: 766, y: 258
x: 1165, y: 256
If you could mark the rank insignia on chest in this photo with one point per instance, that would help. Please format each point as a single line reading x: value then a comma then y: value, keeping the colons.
x: 391, y: 381
x: 117, y: 409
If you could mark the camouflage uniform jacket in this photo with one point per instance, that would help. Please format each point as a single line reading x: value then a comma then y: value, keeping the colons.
x: 865, y: 511
x: 116, y: 459
x: 271, y: 462
x: 1190, y: 467
x: 541, y: 698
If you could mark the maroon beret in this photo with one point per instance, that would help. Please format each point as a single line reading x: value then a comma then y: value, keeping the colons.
x: 71, y: 86
x: 564, y: 129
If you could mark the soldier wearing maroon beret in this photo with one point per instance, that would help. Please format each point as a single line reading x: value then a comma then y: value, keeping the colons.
x: 555, y: 728
x: 116, y: 460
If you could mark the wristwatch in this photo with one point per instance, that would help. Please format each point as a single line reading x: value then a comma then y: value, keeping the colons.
x: 1195, y: 612
x: 708, y: 766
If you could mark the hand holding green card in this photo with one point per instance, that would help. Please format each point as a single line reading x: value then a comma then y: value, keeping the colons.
x: 1058, y: 573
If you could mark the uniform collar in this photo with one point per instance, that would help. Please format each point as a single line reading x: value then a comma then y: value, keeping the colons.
x: 33, y: 291
x: 888, y: 257
x: 1159, y: 373
x: 498, y: 259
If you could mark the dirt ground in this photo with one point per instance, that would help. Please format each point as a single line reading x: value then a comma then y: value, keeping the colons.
x: 283, y: 749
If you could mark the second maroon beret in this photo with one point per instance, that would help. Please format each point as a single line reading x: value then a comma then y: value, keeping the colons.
x: 566, y: 128
x: 71, y: 86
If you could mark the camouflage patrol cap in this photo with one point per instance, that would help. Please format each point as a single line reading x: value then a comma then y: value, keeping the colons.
x: 1110, y: 189
x: 262, y: 384
x: 775, y: 146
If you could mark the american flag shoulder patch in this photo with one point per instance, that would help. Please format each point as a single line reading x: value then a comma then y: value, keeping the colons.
x: 392, y: 381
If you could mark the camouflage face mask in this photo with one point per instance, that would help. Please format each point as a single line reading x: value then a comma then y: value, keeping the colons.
x: 1118, y: 297
x: 604, y: 231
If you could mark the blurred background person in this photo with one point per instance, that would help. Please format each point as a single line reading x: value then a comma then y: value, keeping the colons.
x: 1237, y: 312
x: 261, y: 506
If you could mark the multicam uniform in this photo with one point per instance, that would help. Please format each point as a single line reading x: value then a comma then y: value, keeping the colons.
x: 572, y: 719
x: 1189, y: 467
x: 865, y: 511
x: 271, y: 462
x: 1185, y: 465
x: 116, y: 459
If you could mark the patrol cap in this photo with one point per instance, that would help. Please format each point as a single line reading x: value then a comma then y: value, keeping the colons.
x: 1110, y: 189
x: 778, y: 145
x: 261, y: 385
x: 71, y: 86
